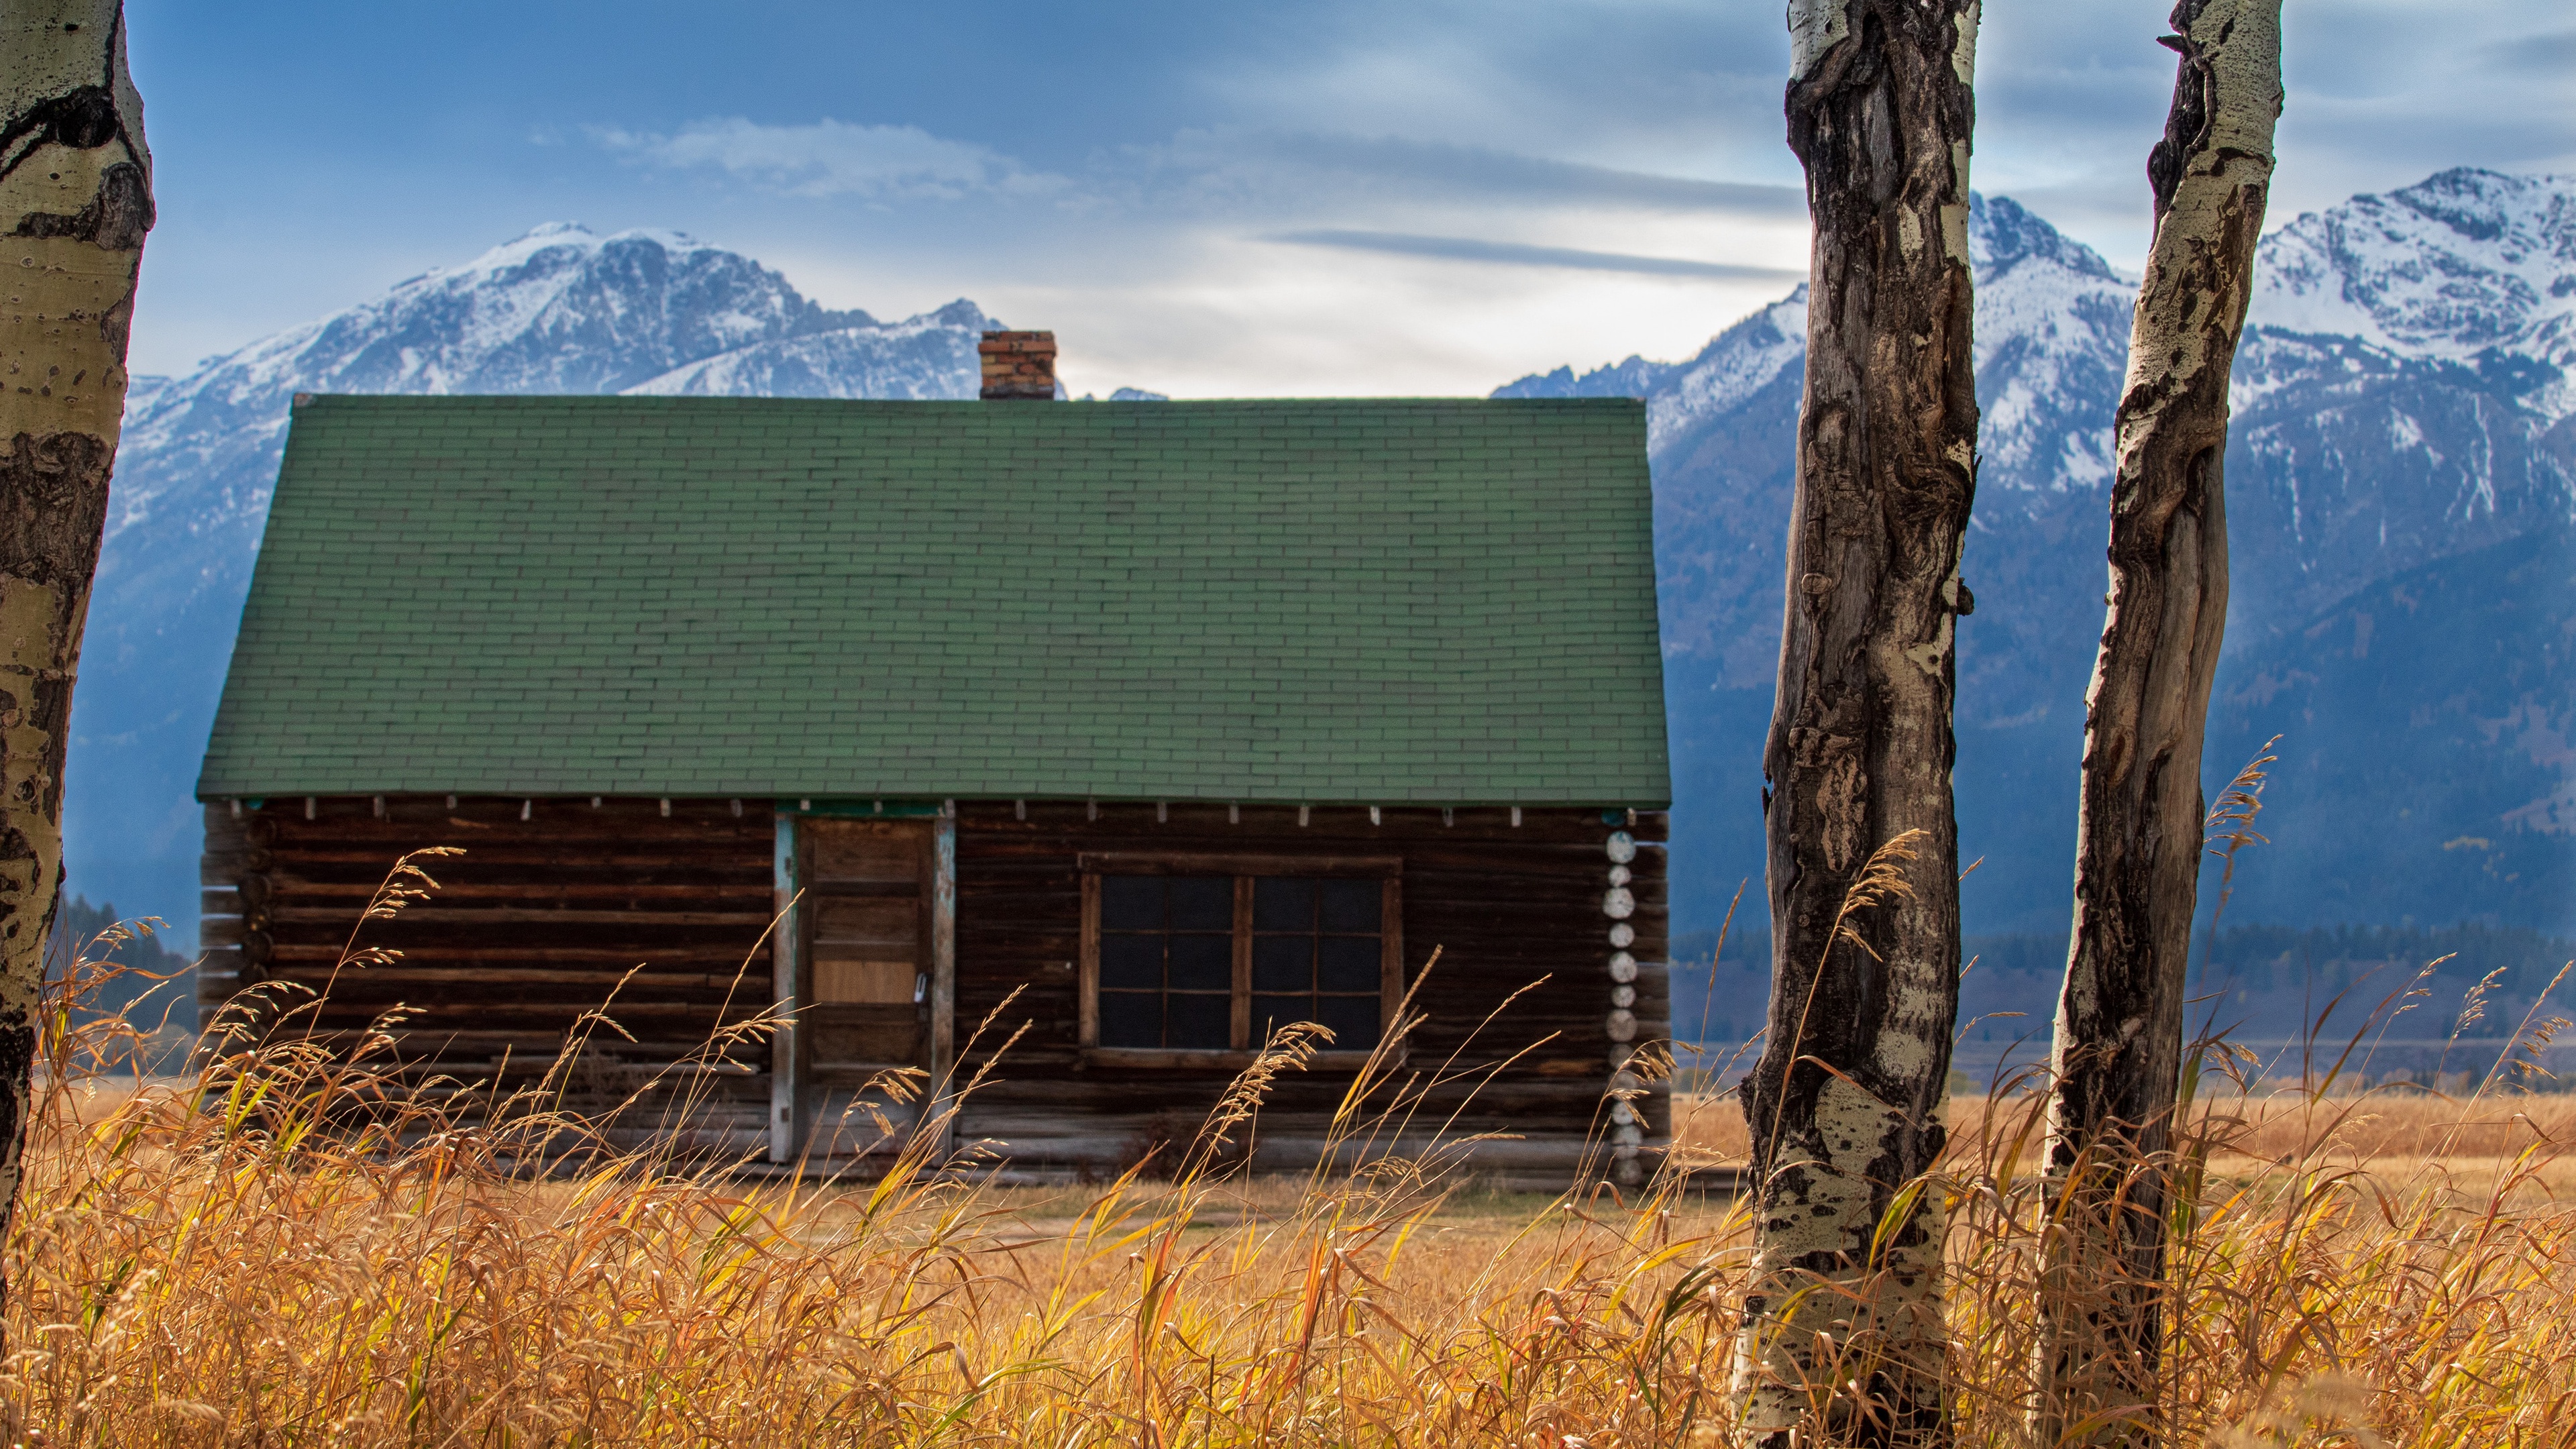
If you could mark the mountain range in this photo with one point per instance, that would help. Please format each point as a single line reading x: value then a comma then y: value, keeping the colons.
x: 2401, y: 480
x: 560, y: 310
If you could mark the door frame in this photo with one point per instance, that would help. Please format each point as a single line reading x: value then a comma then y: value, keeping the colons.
x: 791, y: 1103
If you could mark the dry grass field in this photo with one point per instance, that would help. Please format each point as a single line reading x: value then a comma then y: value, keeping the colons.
x: 2384, y: 1135
x: 289, y: 1254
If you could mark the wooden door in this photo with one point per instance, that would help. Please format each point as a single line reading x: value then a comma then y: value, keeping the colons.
x: 869, y: 981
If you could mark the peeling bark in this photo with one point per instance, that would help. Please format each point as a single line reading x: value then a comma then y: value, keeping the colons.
x: 2118, y: 1047
x: 75, y: 201
x: 1845, y: 1105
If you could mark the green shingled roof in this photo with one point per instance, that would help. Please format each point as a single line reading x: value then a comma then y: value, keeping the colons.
x: 1439, y: 602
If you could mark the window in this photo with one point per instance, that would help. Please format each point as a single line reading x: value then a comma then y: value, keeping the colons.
x: 1316, y: 955
x: 1167, y: 961
x: 1187, y: 959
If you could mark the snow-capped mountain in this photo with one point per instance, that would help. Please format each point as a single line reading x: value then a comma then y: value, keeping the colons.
x: 918, y: 359
x: 2401, y: 406
x: 2467, y: 267
x: 2401, y: 491
x: 560, y: 310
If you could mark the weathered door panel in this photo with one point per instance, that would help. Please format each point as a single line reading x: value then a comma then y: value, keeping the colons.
x: 864, y: 935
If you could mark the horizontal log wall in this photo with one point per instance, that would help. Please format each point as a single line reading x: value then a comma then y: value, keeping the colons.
x: 555, y: 908
x: 543, y: 916
x: 1516, y: 912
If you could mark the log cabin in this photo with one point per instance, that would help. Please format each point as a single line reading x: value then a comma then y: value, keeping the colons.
x: 1080, y: 746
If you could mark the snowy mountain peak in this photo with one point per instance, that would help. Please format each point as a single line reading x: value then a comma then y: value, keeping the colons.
x: 561, y: 309
x: 2002, y: 234
x: 2462, y: 264
x: 2052, y: 324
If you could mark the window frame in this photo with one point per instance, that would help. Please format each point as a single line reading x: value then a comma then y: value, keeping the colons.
x: 1243, y: 868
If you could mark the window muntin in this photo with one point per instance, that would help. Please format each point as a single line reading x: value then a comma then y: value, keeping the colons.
x: 1309, y: 939
x: 1316, y: 955
x: 1167, y: 961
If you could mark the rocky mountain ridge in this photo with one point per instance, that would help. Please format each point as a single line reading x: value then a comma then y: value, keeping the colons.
x: 2430, y: 433
x: 2407, y: 480
x: 561, y: 309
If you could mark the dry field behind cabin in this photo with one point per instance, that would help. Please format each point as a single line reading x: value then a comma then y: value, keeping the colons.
x: 2473, y: 1143
x: 292, y: 1253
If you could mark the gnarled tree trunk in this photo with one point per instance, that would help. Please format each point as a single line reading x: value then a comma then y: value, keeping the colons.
x: 2118, y: 1048
x: 1845, y: 1105
x: 76, y: 199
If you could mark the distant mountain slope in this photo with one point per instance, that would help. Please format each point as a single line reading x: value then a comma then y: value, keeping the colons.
x: 922, y: 358
x: 2433, y: 427
x: 558, y: 310
x: 2429, y: 745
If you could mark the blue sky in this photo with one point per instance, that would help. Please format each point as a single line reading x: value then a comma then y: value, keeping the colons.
x: 1207, y: 200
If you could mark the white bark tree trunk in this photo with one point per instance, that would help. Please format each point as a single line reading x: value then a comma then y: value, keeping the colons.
x: 2118, y: 1047
x: 1843, y: 1335
x: 75, y: 202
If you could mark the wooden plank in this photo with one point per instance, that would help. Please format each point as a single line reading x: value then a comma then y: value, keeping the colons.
x: 862, y: 850
x: 419, y: 954
x: 943, y: 969
x: 1390, y: 963
x: 523, y: 1044
x: 1163, y: 1059
x: 1236, y: 863
x: 862, y: 890
x: 869, y: 921
x: 786, y: 1040
x: 1325, y: 822
x: 1089, y: 984
x: 728, y: 859
x: 849, y: 980
x: 409, y: 973
x: 451, y: 891
x: 417, y: 916
x: 1239, y: 1027
x: 566, y: 1012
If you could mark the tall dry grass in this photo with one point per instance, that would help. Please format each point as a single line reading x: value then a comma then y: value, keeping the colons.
x: 289, y: 1249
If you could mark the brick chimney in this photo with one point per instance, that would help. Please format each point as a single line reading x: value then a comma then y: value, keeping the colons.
x: 1018, y: 366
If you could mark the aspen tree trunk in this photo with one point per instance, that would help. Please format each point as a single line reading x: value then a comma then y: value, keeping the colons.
x: 1845, y: 1105
x: 75, y: 199
x: 2118, y: 1049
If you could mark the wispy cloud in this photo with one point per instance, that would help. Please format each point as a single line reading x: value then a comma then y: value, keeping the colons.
x: 1242, y: 167
x: 1469, y: 249
x: 835, y: 158
x: 1484, y: 172
x: 2552, y: 54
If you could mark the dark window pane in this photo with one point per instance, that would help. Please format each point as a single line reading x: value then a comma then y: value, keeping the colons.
x: 1283, y: 963
x: 1131, y: 1019
x: 1353, y: 1020
x: 1131, y: 963
x: 1351, y: 905
x: 1202, y: 963
x: 1200, y: 1021
x: 1131, y: 902
x: 1269, y: 1013
x: 1346, y: 963
x: 1202, y: 903
x: 1283, y: 905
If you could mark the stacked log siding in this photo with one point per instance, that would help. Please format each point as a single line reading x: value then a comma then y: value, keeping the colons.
x: 561, y: 908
